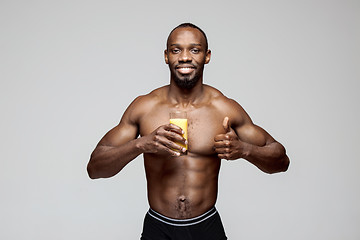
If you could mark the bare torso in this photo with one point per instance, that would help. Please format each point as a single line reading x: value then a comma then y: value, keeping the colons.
x: 185, y: 186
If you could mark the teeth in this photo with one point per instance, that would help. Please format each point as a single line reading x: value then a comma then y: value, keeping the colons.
x: 185, y: 70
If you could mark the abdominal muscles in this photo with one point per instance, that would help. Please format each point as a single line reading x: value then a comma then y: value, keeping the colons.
x: 182, y: 187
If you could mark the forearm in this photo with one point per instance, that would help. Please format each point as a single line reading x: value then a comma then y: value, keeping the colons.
x: 107, y: 161
x: 270, y: 158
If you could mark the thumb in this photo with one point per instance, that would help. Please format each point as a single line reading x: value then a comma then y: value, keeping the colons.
x: 226, y: 124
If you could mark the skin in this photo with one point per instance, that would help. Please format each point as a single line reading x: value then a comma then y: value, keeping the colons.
x: 184, y: 184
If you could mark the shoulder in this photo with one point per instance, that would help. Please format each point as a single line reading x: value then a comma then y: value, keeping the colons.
x: 219, y: 100
x: 228, y: 107
x: 150, y: 100
x: 143, y: 104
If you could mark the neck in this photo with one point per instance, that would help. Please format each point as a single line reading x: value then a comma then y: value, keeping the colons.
x: 183, y: 96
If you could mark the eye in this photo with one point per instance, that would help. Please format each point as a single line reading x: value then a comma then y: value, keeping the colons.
x: 175, y: 50
x: 195, y: 50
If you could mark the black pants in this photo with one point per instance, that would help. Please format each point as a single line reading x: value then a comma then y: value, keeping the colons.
x: 208, y: 226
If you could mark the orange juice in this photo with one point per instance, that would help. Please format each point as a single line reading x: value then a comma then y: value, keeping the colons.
x: 181, y: 122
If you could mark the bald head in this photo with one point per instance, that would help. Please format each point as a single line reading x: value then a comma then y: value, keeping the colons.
x: 188, y: 25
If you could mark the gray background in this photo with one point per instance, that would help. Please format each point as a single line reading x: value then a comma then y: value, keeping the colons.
x: 69, y: 69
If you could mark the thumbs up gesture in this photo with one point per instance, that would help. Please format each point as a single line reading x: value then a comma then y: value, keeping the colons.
x: 228, y: 146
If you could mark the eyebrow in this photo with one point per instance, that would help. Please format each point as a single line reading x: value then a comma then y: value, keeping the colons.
x: 192, y: 44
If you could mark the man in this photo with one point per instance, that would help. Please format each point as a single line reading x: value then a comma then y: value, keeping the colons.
x: 182, y: 183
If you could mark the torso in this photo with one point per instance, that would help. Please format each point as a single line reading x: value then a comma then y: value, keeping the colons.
x: 185, y: 186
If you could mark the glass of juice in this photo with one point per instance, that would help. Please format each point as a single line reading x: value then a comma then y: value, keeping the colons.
x: 179, y: 118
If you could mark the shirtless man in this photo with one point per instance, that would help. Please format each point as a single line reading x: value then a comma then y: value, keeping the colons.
x: 182, y: 184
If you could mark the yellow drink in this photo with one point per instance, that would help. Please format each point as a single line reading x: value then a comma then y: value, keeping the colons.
x: 181, y: 122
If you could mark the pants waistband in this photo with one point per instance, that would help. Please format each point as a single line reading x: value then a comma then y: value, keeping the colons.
x: 182, y: 222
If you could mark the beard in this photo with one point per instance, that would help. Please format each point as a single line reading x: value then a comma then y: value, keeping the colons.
x: 186, y: 82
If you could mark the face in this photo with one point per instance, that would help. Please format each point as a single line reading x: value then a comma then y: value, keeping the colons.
x: 186, y: 56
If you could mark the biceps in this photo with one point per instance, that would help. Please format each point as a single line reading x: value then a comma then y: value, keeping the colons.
x: 119, y: 135
x: 253, y: 134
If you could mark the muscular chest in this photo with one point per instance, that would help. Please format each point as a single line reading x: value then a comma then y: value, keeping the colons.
x: 203, y: 125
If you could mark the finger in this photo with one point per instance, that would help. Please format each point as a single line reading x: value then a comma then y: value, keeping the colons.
x: 222, y: 144
x: 224, y: 156
x: 226, y: 124
x: 171, y: 140
x: 221, y: 137
x: 172, y: 152
x: 174, y: 146
x: 162, y: 148
x: 171, y: 135
x: 164, y: 145
x: 163, y: 142
x: 175, y: 136
x: 222, y: 150
x: 174, y: 128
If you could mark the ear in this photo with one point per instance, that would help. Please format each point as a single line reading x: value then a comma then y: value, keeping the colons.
x: 207, y: 56
x: 166, y: 56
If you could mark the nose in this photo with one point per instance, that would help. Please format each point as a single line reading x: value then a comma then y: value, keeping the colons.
x: 185, y: 57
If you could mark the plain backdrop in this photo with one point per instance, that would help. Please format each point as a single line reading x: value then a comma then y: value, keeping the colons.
x: 69, y: 69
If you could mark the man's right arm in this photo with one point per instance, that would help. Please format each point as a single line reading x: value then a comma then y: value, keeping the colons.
x: 109, y: 158
x: 120, y: 145
x: 116, y: 149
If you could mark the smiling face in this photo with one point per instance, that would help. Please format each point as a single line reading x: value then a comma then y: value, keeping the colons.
x: 186, y: 55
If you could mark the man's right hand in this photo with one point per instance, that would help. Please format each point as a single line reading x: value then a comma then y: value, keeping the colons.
x: 164, y: 140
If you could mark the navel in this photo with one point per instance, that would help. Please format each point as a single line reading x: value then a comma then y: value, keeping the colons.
x: 182, y: 198
x: 183, y: 207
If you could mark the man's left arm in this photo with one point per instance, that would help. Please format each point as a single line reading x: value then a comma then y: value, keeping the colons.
x: 252, y: 143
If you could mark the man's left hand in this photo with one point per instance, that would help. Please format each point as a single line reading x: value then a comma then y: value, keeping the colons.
x: 228, y: 146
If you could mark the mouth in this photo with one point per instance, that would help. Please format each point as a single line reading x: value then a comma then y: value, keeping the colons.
x: 185, y: 69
